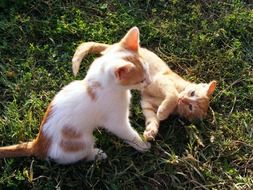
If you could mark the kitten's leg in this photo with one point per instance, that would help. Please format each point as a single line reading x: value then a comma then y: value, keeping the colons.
x: 168, y: 90
x: 124, y: 131
x: 167, y: 106
x: 152, y: 122
x: 92, y: 153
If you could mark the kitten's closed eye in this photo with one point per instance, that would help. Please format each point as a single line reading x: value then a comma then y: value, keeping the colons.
x: 145, y: 81
x: 142, y: 81
x: 139, y: 82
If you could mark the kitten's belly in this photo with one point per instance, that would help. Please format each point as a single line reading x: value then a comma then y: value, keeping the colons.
x: 153, y: 90
x: 153, y: 100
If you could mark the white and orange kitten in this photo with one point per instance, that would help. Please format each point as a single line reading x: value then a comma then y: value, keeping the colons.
x: 101, y: 99
x: 167, y: 94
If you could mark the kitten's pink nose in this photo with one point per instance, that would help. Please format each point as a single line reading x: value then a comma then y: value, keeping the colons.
x: 183, y: 100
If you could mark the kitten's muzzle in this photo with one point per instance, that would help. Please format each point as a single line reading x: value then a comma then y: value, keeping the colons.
x: 183, y: 100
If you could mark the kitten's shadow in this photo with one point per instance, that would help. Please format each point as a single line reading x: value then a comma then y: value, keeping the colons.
x: 177, y: 133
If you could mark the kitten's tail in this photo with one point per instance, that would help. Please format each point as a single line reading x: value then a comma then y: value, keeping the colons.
x: 19, y: 150
x: 84, y: 49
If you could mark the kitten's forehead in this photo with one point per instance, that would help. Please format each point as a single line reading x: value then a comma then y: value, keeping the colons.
x: 200, y: 89
x: 195, y: 86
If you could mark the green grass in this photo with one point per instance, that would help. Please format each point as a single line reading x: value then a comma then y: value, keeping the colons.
x: 201, y: 40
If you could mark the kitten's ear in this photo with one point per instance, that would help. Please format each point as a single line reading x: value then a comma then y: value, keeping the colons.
x: 211, y: 87
x: 122, y: 72
x: 131, y: 40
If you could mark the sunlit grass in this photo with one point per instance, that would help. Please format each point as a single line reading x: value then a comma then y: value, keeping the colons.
x: 201, y: 41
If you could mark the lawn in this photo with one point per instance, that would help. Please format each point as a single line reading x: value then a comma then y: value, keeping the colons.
x: 200, y: 40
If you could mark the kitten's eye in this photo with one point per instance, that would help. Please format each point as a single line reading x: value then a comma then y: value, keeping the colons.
x: 142, y: 81
x: 190, y: 107
x: 192, y: 93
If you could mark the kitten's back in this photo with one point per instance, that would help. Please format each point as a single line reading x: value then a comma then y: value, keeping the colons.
x: 156, y: 64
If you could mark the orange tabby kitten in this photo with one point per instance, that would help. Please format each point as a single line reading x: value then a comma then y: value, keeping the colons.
x: 168, y: 93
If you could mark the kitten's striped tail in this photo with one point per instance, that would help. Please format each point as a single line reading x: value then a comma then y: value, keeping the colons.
x: 84, y: 49
x: 19, y: 150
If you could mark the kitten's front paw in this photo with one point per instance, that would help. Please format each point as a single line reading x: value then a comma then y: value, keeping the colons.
x: 161, y: 113
x: 144, y: 146
x: 140, y: 145
x: 96, y: 154
x: 101, y: 156
x: 150, y: 133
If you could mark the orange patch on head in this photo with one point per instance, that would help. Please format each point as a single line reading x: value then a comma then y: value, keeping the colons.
x: 203, y: 104
x: 69, y: 133
x: 131, y: 75
x: 71, y: 145
x: 133, y: 59
x: 200, y: 108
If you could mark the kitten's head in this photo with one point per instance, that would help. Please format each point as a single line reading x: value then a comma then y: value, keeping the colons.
x: 193, y: 101
x: 129, y: 69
